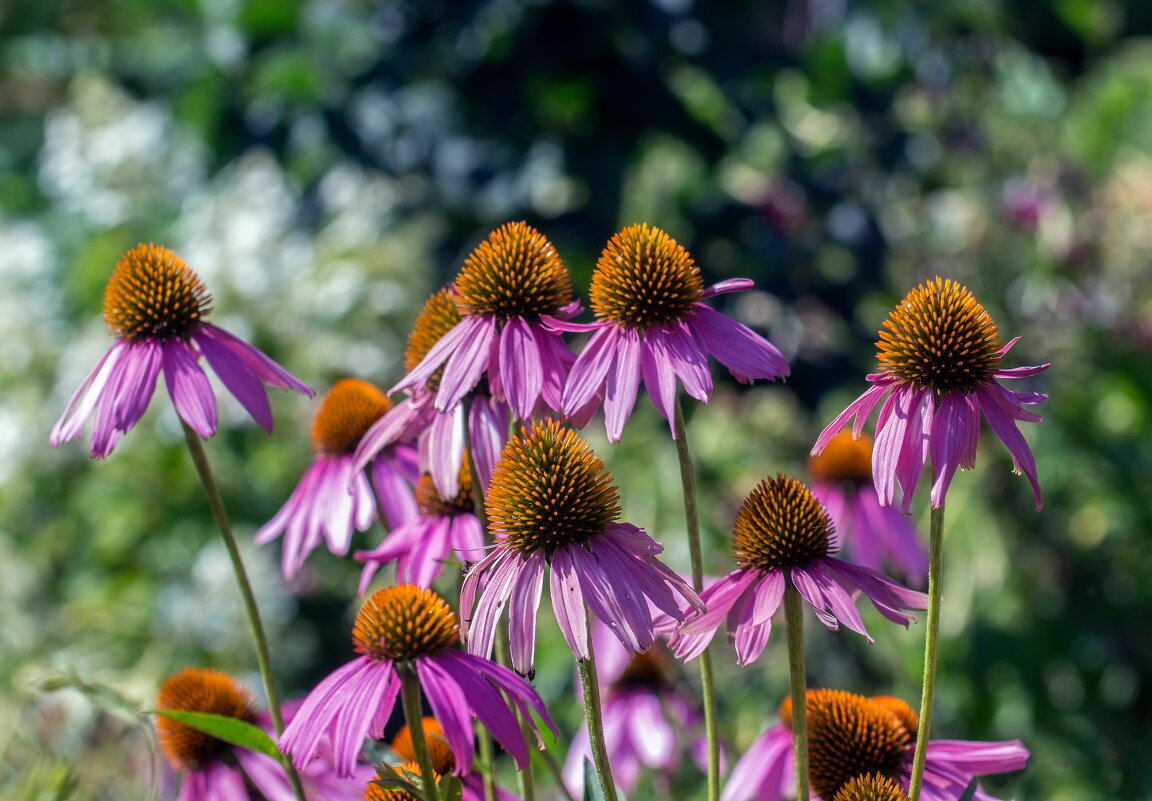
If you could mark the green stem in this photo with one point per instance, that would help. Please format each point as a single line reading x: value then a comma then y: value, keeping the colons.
x: 488, y: 755
x: 794, y: 620
x: 931, y: 637
x: 259, y: 639
x: 414, y: 717
x: 707, y: 677
x: 556, y: 771
x: 590, y: 684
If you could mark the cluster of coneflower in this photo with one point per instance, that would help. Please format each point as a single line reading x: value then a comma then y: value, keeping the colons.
x: 475, y: 458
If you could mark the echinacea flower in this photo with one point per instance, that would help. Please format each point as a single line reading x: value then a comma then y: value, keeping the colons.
x: 441, y: 435
x: 442, y: 758
x: 155, y: 306
x: 510, y: 280
x: 408, y: 770
x: 870, y: 787
x: 939, y: 353
x: 874, y: 535
x: 850, y: 736
x: 653, y: 328
x: 214, y: 770
x: 782, y: 535
x: 646, y: 717
x: 551, y: 504
x: 333, y: 498
x: 411, y: 629
x: 436, y: 531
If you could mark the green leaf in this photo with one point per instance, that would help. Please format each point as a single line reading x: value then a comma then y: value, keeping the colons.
x: 230, y: 730
x: 451, y: 789
x: 592, y: 790
x: 969, y: 792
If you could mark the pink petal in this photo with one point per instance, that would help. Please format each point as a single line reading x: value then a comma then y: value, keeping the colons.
x: 189, y: 388
x: 520, y: 370
x: 623, y: 384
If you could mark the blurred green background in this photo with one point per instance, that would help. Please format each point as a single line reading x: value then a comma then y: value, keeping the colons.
x: 325, y: 165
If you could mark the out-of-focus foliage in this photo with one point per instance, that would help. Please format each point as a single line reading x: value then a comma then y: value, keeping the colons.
x: 325, y: 164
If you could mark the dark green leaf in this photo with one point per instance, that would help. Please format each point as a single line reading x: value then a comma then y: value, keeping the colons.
x: 969, y: 792
x: 592, y: 790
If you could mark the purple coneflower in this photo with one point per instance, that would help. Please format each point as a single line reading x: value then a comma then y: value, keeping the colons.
x: 646, y: 716
x: 438, y: 530
x: 939, y: 354
x: 443, y: 760
x: 653, y: 327
x: 375, y: 791
x: 849, y: 736
x: 214, y: 770
x: 411, y: 629
x: 874, y: 535
x: 441, y: 434
x: 551, y: 504
x: 782, y: 535
x: 155, y: 305
x: 510, y: 280
x: 333, y: 498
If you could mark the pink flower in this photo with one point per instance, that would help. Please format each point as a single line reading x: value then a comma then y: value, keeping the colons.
x: 334, y: 497
x: 850, y: 735
x: 646, y: 717
x: 155, y: 305
x: 214, y: 770
x: 873, y: 534
x: 409, y: 628
x: 551, y: 504
x: 940, y: 354
x: 653, y: 328
x: 436, y: 531
x: 510, y: 280
x: 783, y: 536
x: 441, y: 435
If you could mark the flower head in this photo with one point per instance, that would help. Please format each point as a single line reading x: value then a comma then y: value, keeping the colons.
x: 443, y: 760
x: 410, y: 628
x: 861, y: 748
x: 512, y: 279
x: 940, y: 357
x: 438, y: 530
x: 155, y: 306
x: 874, y: 535
x: 334, y: 498
x: 214, y: 770
x: 375, y: 791
x: 653, y: 326
x: 552, y: 504
x: 783, y: 536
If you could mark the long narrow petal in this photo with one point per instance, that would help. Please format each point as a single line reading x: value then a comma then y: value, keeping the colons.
x: 84, y: 399
x: 949, y: 441
x: 439, y: 353
x: 237, y: 376
x: 135, y: 383
x: 890, y: 440
x: 728, y: 285
x: 860, y: 408
x: 523, y: 607
x: 467, y: 363
x: 444, y: 439
x: 914, y: 449
x: 189, y: 388
x: 488, y: 429
x: 568, y: 603
x: 590, y: 371
x: 659, y: 378
x: 1000, y: 418
x: 521, y: 371
x: 448, y: 698
x: 746, y: 354
x: 502, y: 573
x: 267, y: 370
x: 689, y: 360
x: 622, y: 385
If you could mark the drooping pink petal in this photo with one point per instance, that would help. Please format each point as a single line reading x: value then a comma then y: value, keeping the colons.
x: 726, y: 286
x: 765, y: 771
x: 568, y: 604
x: 890, y: 430
x: 237, y: 377
x: 696, y: 632
x: 265, y: 369
x: 659, y: 378
x: 87, y: 395
x: 914, y: 449
x: 604, y: 581
x: 522, y: 609
x: 442, y: 445
x: 812, y: 594
x: 467, y: 363
x: 950, y: 440
x: 189, y: 388
x: 998, y: 413
x: 860, y: 408
x: 521, y: 372
x: 590, y: 371
x: 746, y: 354
x: 393, y: 427
x: 451, y: 707
x: 623, y: 382
x: 689, y: 360
x: 500, y: 571
x: 488, y: 429
x: 135, y: 382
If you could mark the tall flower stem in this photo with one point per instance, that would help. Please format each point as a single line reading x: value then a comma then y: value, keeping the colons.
x: 259, y: 638
x: 524, y: 780
x: 590, y: 685
x: 794, y: 620
x: 707, y: 678
x: 931, y: 636
x: 414, y: 717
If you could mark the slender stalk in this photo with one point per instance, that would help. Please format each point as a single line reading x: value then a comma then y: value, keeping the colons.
x: 794, y: 620
x: 557, y: 773
x: 488, y: 755
x: 259, y: 638
x: 931, y: 637
x: 590, y: 684
x: 414, y: 717
x: 707, y: 677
